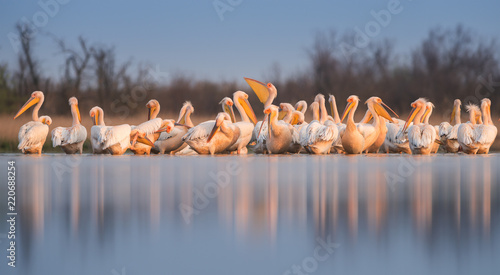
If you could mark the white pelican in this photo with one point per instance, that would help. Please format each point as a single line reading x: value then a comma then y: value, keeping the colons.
x: 301, y: 106
x: 298, y: 123
x: 149, y: 128
x: 104, y: 139
x: 71, y: 139
x: 33, y: 134
x: 320, y: 135
x: 395, y: 140
x: 421, y: 136
x: 213, y: 136
x: 448, y: 133
x: 429, y: 107
x: 359, y: 137
x: 266, y: 94
x: 279, y: 135
x: 337, y: 144
x: 246, y: 125
x: 468, y: 132
x: 172, y: 142
x: 487, y: 131
x: 147, y: 133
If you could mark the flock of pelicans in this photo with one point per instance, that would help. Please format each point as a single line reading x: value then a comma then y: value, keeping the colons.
x: 283, y: 129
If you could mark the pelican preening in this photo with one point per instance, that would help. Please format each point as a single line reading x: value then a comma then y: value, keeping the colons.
x: 283, y: 130
x: 71, y: 139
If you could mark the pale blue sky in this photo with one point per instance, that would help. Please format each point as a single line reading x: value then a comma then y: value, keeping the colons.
x: 189, y: 36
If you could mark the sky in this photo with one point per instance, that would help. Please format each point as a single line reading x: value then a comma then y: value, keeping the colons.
x: 228, y: 39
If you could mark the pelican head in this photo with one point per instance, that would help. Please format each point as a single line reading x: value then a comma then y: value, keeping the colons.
x: 265, y: 92
x: 95, y: 112
x: 319, y: 97
x: 417, y: 105
x: 456, y: 108
x: 285, y: 108
x: 352, y: 101
x: 378, y: 106
x: 167, y: 125
x: 186, y: 110
x: 36, y: 97
x: 297, y: 118
x: 73, y: 102
x: 301, y: 106
x: 221, y: 117
x: 474, y: 113
x: 428, y: 111
x: 139, y: 136
x: 46, y: 120
x: 242, y: 99
x: 153, y: 108
x: 227, y: 106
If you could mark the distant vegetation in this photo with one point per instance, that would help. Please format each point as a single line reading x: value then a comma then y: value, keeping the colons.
x: 447, y: 64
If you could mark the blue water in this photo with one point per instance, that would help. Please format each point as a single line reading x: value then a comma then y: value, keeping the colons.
x: 253, y: 215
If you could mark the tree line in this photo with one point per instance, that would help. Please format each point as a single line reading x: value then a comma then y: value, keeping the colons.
x: 449, y: 63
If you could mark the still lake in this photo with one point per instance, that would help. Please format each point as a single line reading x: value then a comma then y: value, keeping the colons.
x: 383, y: 214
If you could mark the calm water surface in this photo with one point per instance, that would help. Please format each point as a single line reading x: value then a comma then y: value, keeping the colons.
x: 254, y: 215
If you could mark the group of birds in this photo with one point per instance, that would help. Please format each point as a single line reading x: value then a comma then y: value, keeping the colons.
x: 283, y: 129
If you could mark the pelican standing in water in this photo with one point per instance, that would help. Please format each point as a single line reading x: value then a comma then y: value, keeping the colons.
x: 337, y: 144
x: 279, y: 135
x: 172, y: 142
x: 246, y: 125
x: 468, y: 132
x: 448, y: 133
x: 321, y: 134
x: 421, y: 136
x: 104, y: 139
x: 359, y: 137
x: 149, y: 128
x: 212, y: 137
x: 298, y: 124
x: 487, y: 131
x: 33, y: 134
x: 266, y: 94
x: 71, y: 139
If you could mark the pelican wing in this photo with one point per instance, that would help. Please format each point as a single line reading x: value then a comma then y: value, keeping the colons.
x: 32, y: 134
x: 486, y: 134
x: 111, y: 135
x: 466, y: 134
x: 150, y: 127
x: 445, y: 129
x: 68, y: 135
x: 201, y: 131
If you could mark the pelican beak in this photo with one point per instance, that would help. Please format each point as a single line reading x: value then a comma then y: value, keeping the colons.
x: 181, y: 125
x: 262, y: 124
x: 145, y: 140
x: 150, y: 111
x: 346, y: 110
x: 78, y: 112
x: 299, y: 108
x: 385, y: 105
x: 281, y: 114
x: 295, y: 120
x: 426, y: 113
x: 259, y: 88
x: 32, y: 101
x: 248, y: 110
x: 94, y: 121
x: 412, y: 115
x: 453, y: 114
x: 134, y: 139
x: 331, y: 106
x: 230, y: 111
x: 382, y: 112
x: 214, y: 130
